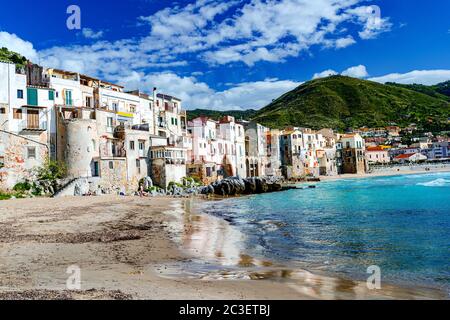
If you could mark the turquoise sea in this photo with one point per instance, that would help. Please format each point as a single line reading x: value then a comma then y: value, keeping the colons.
x: 400, y: 223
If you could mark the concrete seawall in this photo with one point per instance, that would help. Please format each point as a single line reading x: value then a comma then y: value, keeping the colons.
x: 415, y: 168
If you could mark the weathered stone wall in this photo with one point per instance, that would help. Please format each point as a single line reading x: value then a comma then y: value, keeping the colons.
x: 199, y: 171
x: 163, y: 174
x: 115, y: 178
x: 81, y: 146
x: 17, y: 167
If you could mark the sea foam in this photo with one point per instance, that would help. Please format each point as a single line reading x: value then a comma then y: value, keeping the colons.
x: 435, y: 183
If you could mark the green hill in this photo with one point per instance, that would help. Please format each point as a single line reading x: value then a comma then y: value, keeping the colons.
x: 216, y: 115
x: 10, y: 56
x: 441, y: 90
x: 341, y: 102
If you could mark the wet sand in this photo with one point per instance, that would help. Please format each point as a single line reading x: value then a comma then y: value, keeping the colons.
x: 147, y: 248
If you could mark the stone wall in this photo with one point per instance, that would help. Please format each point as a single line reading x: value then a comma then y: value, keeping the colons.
x: 17, y: 167
x: 163, y: 174
x: 114, y: 178
x: 80, y: 147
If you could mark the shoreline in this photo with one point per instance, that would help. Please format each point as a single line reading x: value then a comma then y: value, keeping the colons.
x: 392, y: 173
x: 123, y: 246
x: 148, y: 248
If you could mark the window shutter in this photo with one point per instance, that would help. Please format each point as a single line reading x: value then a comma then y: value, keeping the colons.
x: 32, y: 97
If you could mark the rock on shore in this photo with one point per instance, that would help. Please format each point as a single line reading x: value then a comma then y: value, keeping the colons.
x: 236, y: 186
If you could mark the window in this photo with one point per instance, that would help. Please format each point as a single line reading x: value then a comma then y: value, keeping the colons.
x: 88, y: 102
x: 31, y: 152
x: 68, y: 101
x: 2, y: 110
x: 109, y: 122
x: 141, y: 145
x: 51, y: 95
x: 138, y: 163
x: 57, y: 94
x: 17, y: 113
x: 131, y: 145
x: 111, y: 165
x: 19, y: 94
x: 115, y: 106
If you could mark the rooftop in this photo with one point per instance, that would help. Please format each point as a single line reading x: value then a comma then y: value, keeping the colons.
x: 405, y: 156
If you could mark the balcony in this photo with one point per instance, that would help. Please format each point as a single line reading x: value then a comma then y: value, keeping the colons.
x: 32, y: 126
x: 109, y: 150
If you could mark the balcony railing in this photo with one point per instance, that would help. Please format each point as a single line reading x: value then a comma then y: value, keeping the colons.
x: 26, y: 125
x: 108, y: 151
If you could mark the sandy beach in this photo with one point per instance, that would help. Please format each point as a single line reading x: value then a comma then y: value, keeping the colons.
x: 127, y: 247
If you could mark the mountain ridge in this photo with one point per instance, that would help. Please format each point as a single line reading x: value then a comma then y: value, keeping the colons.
x: 341, y: 102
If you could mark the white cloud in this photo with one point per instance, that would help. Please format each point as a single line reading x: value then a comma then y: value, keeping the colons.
x: 344, y: 42
x: 88, y: 33
x: 426, y: 77
x: 356, y: 72
x: 325, y: 74
x: 249, y: 32
x: 259, y: 30
x: 252, y: 94
x: 16, y: 44
x: 199, y: 95
x: 371, y: 18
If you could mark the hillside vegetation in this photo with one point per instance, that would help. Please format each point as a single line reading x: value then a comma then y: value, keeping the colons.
x: 342, y: 102
x: 10, y: 56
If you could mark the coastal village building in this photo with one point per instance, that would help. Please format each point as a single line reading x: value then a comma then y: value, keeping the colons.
x: 437, y: 151
x: 113, y: 139
x: 218, y: 149
x: 410, y: 157
x: 328, y: 162
x: 255, y: 149
x: 25, y: 114
x: 377, y: 155
x: 353, y: 154
x: 274, y: 163
x: 292, y: 153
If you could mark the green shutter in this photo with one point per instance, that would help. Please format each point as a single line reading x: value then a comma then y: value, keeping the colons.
x: 51, y: 95
x: 32, y: 96
x: 68, y: 98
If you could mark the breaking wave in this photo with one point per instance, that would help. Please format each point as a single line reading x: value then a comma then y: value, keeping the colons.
x: 436, y: 183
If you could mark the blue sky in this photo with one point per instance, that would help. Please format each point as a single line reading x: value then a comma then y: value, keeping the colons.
x: 239, y: 53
